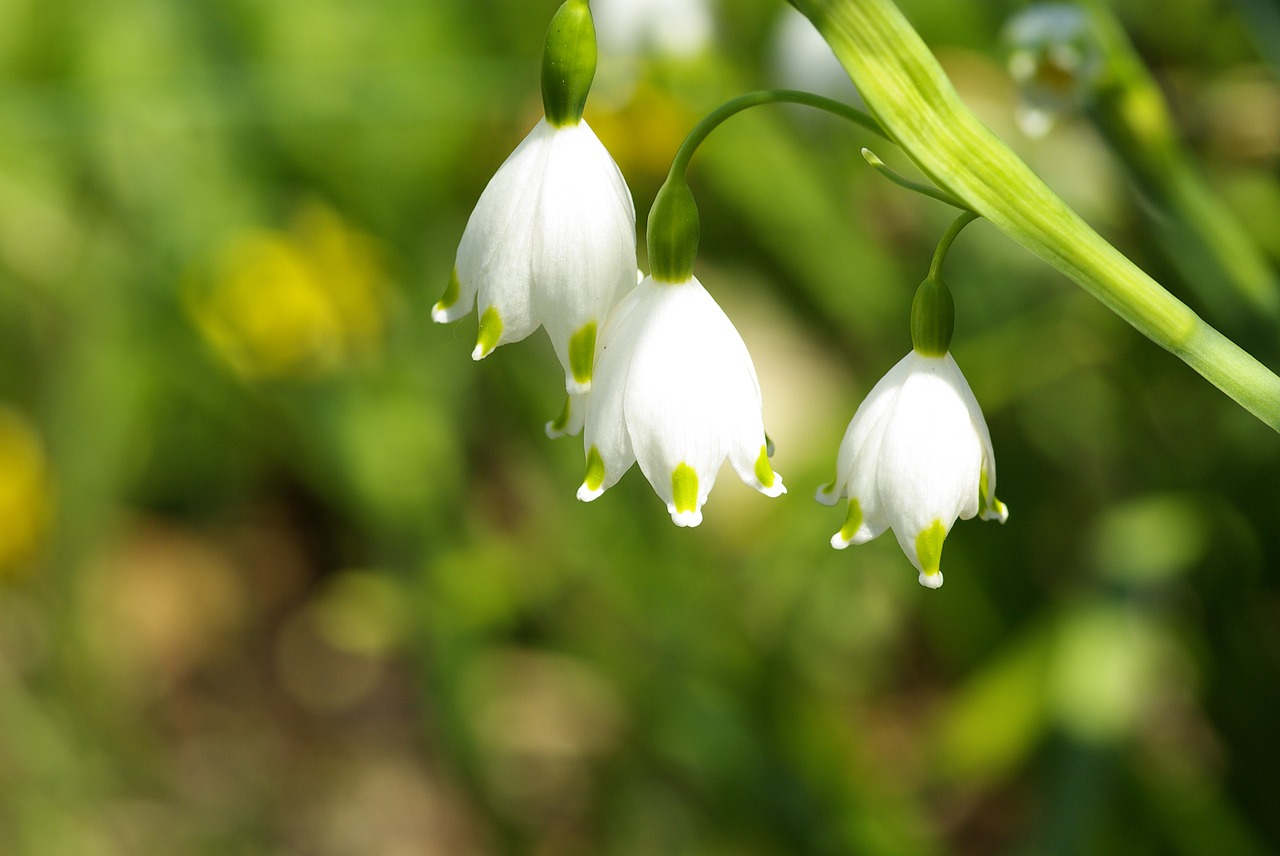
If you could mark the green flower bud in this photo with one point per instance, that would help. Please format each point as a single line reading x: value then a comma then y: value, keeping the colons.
x: 933, y: 318
x: 673, y: 232
x: 568, y: 63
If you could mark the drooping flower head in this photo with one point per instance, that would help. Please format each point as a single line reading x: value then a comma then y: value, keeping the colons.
x: 917, y: 455
x: 551, y: 242
x: 675, y: 390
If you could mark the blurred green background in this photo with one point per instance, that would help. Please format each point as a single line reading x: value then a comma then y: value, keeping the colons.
x: 283, y: 572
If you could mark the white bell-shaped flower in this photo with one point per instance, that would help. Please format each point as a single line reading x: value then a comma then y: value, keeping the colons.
x: 916, y: 457
x: 676, y: 392
x: 552, y: 242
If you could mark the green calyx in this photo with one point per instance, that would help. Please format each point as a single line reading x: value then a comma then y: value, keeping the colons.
x: 568, y: 63
x: 933, y: 318
x: 933, y: 312
x: 673, y: 232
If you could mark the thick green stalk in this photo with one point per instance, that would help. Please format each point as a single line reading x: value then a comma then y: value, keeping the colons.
x: 907, y: 91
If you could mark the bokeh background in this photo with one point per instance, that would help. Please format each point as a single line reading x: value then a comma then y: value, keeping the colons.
x: 282, y: 571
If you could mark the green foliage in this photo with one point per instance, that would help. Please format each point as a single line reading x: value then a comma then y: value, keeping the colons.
x: 283, y: 571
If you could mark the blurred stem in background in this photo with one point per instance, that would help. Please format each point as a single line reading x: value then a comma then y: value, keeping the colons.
x: 1263, y: 19
x: 1211, y: 249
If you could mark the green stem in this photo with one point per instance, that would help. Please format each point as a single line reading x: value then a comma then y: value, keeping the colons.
x: 949, y: 238
x: 673, y: 230
x: 923, y: 189
x: 908, y: 93
x: 717, y: 117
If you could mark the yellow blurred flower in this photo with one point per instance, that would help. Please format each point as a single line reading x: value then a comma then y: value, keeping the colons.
x: 644, y: 133
x: 299, y: 303
x: 25, y: 492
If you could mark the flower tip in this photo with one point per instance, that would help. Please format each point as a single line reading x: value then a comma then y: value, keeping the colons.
x: 569, y: 422
x: 586, y: 493
x: 931, y: 581
x: 774, y: 490
x: 576, y: 387
x: 827, y: 494
x: 839, y: 541
x: 685, y: 518
x: 996, y: 511
x: 447, y: 307
x: 490, y: 334
x: 556, y: 429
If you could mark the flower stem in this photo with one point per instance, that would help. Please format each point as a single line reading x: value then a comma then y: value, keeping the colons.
x: 717, y: 117
x: 949, y: 238
x: 915, y: 186
x: 673, y: 228
x: 909, y: 94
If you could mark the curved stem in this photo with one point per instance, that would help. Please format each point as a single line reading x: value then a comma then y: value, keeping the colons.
x: 949, y: 238
x: 673, y: 228
x: 923, y: 189
x: 713, y: 120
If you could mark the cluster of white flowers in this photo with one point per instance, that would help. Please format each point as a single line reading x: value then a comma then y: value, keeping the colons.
x: 668, y: 383
x: 658, y: 377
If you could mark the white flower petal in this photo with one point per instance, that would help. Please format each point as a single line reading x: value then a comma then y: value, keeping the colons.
x: 915, y: 458
x: 989, y: 507
x: 570, y: 421
x: 551, y: 243
x: 496, y: 247
x: 690, y: 396
x: 930, y: 457
x: 585, y: 258
x: 863, y: 433
x: 606, y: 432
x: 756, y: 471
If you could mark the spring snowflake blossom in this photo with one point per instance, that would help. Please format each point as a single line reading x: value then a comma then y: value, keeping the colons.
x: 551, y: 243
x: 916, y: 456
x: 676, y: 392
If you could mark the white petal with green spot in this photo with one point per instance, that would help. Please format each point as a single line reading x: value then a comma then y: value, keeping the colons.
x: 915, y: 458
x: 674, y: 390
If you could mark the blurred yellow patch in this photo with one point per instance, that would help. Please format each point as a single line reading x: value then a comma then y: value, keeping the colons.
x: 299, y: 303
x: 25, y: 492
x: 643, y: 134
